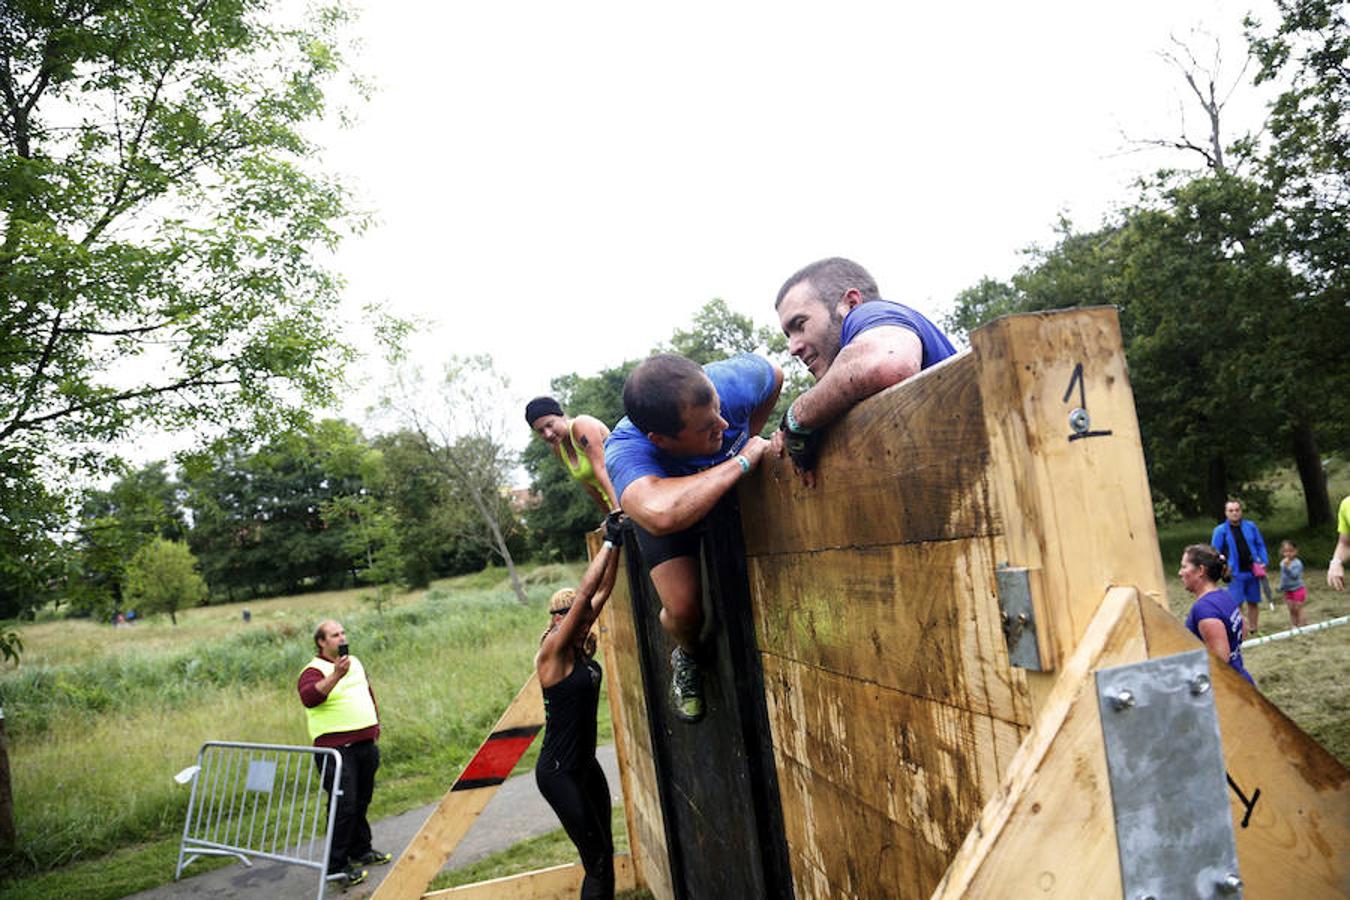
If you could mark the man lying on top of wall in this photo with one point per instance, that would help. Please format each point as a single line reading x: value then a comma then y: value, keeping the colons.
x: 854, y: 344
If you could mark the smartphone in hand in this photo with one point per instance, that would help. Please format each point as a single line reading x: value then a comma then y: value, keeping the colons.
x: 342, y: 650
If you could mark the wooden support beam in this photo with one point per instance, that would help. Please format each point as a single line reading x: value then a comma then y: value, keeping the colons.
x: 1073, y: 496
x: 617, y: 714
x: 1294, y: 839
x: 632, y: 737
x: 1050, y: 831
x: 554, y: 883
x: 461, y: 806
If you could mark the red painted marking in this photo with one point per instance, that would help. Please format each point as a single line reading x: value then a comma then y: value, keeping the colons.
x: 496, y: 758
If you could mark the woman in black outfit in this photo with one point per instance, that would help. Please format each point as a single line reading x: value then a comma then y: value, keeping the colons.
x: 567, y: 773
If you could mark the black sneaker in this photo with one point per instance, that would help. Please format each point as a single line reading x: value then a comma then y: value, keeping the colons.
x: 374, y: 858
x: 351, y: 876
x: 686, y: 686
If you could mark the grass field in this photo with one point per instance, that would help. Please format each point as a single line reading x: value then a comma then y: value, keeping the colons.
x: 100, y: 718
x: 99, y: 727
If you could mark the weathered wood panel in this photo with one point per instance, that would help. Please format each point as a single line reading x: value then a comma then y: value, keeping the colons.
x: 859, y: 762
x: 719, y: 794
x: 907, y: 465
x: 1074, y: 506
x: 920, y: 618
x: 1050, y: 831
x: 1296, y: 842
x: 642, y: 799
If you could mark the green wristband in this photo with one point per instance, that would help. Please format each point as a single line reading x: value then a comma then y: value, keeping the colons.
x: 745, y: 464
x: 793, y: 425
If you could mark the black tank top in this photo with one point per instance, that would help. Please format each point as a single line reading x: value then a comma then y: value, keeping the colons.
x: 569, y: 717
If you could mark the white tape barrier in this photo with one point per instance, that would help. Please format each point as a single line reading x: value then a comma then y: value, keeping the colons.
x: 1293, y: 632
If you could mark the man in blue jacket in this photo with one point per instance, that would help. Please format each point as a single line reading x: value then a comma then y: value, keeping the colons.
x: 1240, y: 542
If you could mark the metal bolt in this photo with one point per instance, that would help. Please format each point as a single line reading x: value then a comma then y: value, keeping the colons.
x: 1231, y: 884
x: 1200, y: 684
x: 1079, y: 421
x: 1022, y: 618
x: 1147, y: 897
x: 1123, y: 700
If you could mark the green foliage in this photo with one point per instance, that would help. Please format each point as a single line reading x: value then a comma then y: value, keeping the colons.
x: 115, y: 524
x: 158, y: 209
x: 161, y: 702
x: 162, y: 577
x: 258, y: 523
x: 1308, y: 162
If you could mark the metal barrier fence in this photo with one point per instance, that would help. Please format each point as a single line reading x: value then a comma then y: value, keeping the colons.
x: 261, y: 800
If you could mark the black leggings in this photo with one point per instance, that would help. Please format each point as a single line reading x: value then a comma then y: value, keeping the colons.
x: 581, y: 800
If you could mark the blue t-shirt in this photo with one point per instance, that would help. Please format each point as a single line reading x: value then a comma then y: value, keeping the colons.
x: 867, y: 315
x: 743, y: 383
x: 1225, y: 607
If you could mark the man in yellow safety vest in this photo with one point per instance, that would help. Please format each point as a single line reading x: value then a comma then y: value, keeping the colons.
x: 341, y: 712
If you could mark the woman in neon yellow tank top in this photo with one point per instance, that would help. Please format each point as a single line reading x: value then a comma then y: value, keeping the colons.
x: 578, y: 443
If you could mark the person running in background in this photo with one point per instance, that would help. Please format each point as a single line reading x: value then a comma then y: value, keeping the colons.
x: 579, y: 444
x: 568, y: 774
x: 1291, y: 583
x: 1215, y: 617
x: 1240, y: 542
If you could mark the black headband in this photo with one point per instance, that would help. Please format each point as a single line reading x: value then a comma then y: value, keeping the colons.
x: 541, y: 406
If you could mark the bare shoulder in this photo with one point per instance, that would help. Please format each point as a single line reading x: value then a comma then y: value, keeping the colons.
x: 589, y: 429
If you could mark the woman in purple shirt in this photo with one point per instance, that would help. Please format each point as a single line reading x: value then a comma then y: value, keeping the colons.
x: 1216, y: 616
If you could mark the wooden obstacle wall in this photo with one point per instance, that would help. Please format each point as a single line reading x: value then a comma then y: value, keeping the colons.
x: 896, y: 718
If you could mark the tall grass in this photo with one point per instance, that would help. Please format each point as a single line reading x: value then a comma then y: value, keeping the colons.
x: 96, y: 740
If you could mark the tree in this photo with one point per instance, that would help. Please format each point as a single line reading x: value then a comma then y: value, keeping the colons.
x: 162, y: 577
x: 157, y: 212
x: 258, y: 523
x: 1307, y: 166
x: 459, y: 424
x: 113, y: 525
x: 369, y: 528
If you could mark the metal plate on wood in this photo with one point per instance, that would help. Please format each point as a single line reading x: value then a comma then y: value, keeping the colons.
x: 1164, y: 759
x: 1019, y: 618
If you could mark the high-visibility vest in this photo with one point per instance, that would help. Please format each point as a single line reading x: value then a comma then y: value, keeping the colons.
x: 349, y: 706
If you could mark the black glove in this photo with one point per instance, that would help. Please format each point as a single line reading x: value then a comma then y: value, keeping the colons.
x: 803, y: 449
x: 614, y: 528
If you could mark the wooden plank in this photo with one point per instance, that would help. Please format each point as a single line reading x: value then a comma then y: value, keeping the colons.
x: 843, y: 849
x: 920, y: 618
x: 646, y: 824
x: 1050, y: 831
x: 908, y: 464
x: 1077, y: 510
x: 554, y: 883
x: 867, y: 765
x: 464, y: 802
x: 1296, y: 841
x: 617, y: 714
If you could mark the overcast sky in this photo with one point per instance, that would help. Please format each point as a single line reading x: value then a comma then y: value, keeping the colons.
x: 562, y: 185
